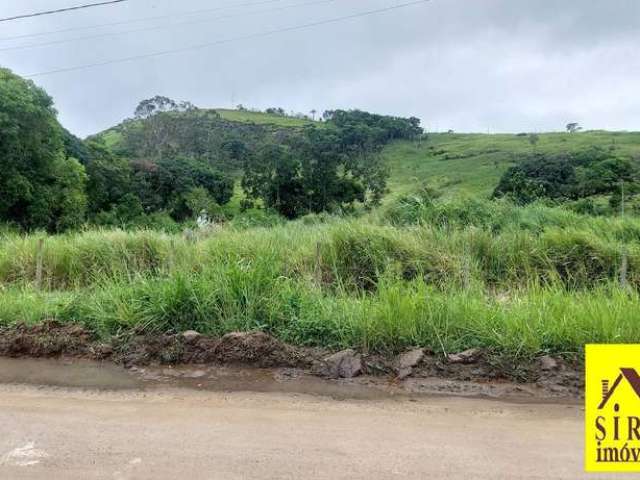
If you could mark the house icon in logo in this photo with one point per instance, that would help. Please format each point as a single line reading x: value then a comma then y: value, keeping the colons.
x: 628, y: 374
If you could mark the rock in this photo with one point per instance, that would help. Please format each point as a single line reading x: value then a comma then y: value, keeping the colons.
x: 408, y: 360
x: 344, y: 364
x: 548, y: 363
x: 104, y: 350
x: 468, y: 356
x: 190, y: 336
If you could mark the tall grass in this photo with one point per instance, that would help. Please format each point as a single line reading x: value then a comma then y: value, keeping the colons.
x: 517, y: 281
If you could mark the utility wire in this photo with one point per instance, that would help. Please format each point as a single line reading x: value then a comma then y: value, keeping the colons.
x: 137, y: 20
x: 251, y: 36
x: 60, y: 10
x: 162, y: 27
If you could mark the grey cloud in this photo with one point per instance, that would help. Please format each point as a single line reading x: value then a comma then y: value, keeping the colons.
x: 470, y: 65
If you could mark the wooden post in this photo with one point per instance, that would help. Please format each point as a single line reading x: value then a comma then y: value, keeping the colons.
x: 624, y: 263
x: 39, y: 261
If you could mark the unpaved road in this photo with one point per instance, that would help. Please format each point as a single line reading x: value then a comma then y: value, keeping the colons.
x: 61, y: 433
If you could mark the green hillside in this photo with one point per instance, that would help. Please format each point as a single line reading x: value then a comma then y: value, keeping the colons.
x: 113, y: 136
x: 261, y: 118
x: 474, y: 163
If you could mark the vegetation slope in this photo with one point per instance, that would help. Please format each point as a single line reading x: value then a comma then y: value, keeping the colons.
x: 443, y: 262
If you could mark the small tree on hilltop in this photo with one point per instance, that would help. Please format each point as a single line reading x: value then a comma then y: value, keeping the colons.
x: 573, y: 127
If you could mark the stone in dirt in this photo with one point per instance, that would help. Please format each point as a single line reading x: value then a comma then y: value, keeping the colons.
x: 468, y: 356
x: 548, y: 363
x: 190, y: 336
x: 344, y: 364
x: 407, y: 361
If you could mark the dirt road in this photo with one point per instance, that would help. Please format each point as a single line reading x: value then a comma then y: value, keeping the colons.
x: 60, y: 433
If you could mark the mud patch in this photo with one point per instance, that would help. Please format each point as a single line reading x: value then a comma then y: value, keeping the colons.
x: 260, y: 349
x: 257, y: 349
x: 53, y: 339
x: 48, y: 339
x: 565, y: 379
x: 243, y: 348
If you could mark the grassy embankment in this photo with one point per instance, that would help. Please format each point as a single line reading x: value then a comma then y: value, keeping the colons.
x: 450, y: 273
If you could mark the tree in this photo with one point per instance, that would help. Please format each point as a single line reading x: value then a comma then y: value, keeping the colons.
x: 313, y: 114
x: 573, y: 176
x: 159, y: 104
x: 165, y: 185
x: 573, y: 127
x: 387, y: 128
x: 109, y: 179
x: 40, y: 187
x: 537, y: 177
x: 274, y: 175
x: 323, y: 170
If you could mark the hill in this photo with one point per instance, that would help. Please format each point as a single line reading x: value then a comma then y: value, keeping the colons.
x: 473, y: 163
x: 466, y: 163
x: 113, y: 136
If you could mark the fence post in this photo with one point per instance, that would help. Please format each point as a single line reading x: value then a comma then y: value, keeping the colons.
x: 624, y: 263
x: 624, y: 267
x: 39, y: 262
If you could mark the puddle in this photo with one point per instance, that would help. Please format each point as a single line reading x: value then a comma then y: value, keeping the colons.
x: 87, y: 374
x: 66, y: 373
x: 294, y: 381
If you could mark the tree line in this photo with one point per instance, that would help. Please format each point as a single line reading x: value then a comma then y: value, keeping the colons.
x: 175, y: 160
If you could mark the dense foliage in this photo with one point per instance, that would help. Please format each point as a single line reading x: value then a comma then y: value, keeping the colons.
x: 380, y: 128
x: 570, y: 176
x: 171, y: 183
x: 323, y: 170
x: 53, y: 180
x: 40, y: 186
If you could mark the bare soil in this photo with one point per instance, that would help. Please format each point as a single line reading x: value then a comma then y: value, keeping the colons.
x: 433, y: 374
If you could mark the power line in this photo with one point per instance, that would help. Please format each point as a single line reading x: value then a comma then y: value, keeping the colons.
x: 61, y: 10
x: 267, y: 33
x: 162, y: 27
x: 137, y: 20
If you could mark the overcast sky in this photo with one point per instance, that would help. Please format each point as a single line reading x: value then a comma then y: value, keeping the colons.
x: 467, y: 65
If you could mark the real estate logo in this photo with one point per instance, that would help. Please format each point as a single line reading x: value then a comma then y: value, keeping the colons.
x: 612, y: 413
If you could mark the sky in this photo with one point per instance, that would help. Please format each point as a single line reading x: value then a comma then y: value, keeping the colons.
x: 466, y: 65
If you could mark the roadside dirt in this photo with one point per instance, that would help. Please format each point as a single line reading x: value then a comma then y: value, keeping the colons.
x: 154, y: 354
x: 162, y: 434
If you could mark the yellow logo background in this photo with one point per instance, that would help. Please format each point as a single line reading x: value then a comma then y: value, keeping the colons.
x: 612, y: 423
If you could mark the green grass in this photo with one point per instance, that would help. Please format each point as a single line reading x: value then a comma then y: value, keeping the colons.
x: 245, y: 116
x: 517, y: 281
x: 472, y: 164
x: 112, y: 138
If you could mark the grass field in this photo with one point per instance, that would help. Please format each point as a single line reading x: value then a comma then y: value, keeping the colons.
x: 450, y: 273
x: 473, y: 163
x: 246, y: 116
